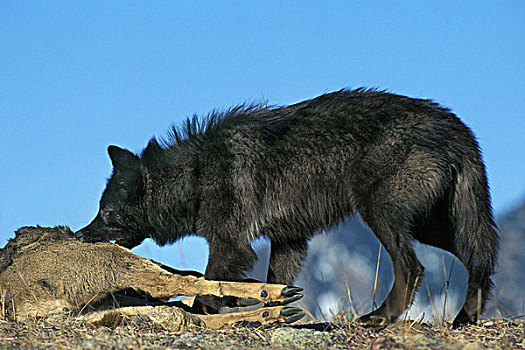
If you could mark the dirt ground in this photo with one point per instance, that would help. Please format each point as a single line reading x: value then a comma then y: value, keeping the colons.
x: 64, y: 332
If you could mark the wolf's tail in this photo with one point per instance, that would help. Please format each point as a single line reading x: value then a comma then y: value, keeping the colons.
x: 475, y: 230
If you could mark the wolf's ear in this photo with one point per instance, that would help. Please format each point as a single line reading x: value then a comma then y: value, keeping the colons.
x: 122, y: 158
x: 149, y: 155
x: 152, y: 147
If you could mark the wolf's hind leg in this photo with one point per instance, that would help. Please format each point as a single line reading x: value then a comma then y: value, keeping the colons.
x: 392, y: 224
x: 479, y: 267
x: 408, y: 274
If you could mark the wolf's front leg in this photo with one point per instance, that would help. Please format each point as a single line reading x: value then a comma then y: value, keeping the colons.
x: 286, y: 260
x: 228, y: 260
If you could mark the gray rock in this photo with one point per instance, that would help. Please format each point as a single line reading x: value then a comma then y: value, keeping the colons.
x: 294, y: 336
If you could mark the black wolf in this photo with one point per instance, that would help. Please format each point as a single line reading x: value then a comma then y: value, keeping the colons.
x: 410, y: 167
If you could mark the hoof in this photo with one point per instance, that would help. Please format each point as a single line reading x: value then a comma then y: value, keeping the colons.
x: 292, y: 314
x: 291, y: 291
x: 285, y: 301
x: 290, y: 295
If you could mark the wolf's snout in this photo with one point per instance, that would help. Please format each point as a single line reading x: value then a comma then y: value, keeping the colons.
x: 86, y: 235
x: 82, y: 234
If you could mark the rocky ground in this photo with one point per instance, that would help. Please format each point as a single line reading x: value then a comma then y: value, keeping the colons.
x: 139, y: 333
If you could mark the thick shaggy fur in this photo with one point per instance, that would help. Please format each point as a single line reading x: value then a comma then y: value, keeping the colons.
x: 45, y: 271
x: 410, y: 167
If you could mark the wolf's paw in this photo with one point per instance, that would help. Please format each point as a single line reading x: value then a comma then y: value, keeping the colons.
x: 373, y: 321
x: 463, y: 319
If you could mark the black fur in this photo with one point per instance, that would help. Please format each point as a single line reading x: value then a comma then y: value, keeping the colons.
x: 410, y: 167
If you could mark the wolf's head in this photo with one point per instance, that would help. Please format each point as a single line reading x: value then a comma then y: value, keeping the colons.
x: 121, y: 214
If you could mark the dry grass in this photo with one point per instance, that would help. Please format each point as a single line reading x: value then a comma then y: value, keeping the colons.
x: 66, y: 333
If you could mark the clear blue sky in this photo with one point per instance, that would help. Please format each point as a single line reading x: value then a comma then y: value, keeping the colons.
x: 76, y: 76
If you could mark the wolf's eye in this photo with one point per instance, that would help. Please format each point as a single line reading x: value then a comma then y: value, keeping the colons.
x: 105, y: 215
